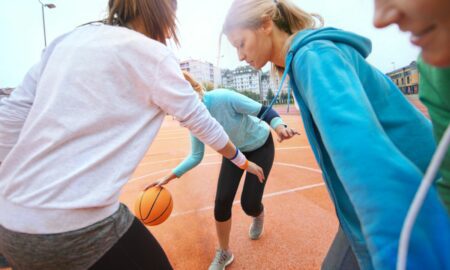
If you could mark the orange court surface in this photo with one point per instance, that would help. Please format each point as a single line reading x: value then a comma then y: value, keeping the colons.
x: 300, y: 222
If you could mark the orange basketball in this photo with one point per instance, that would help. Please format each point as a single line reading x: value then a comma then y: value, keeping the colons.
x: 153, y: 206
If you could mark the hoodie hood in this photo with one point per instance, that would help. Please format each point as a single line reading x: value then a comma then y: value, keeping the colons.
x: 361, y: 44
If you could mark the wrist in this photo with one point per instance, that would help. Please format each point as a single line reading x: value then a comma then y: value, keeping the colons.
x: 240, y: 160
x: 276, y: 122
x: 280, y: 127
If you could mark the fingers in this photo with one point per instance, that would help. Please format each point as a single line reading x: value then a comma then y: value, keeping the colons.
x: 261, y: 175
x: 287, y: 133
x: 150, y: 185
x: 291, y: 132
x: 256, y: 170
x: 155, y: 184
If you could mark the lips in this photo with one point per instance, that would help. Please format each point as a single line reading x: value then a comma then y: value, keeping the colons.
x: 420, y: 38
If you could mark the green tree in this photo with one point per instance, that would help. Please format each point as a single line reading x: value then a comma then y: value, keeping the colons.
x: 250, y: 94
x: 269, y: 95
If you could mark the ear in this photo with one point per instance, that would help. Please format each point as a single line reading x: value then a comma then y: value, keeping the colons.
x: 267, y: 25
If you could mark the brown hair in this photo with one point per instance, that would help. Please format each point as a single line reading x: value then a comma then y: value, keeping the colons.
x: 158, y: 16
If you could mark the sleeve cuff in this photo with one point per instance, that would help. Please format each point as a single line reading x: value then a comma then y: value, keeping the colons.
x: 276, y: 122
x: 177, y: 172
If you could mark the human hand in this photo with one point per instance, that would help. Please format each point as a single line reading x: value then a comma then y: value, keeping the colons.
x: 256, y: 170
x: 285, y: 132
x: 162, y: 181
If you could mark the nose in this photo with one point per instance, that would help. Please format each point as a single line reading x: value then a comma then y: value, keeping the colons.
x: 241, y: 55
x: 385, y: 14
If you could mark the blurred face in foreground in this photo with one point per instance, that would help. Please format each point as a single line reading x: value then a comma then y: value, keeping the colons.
x: 428, y: 21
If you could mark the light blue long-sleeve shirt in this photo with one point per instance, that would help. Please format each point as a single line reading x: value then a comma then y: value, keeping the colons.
x: 237, y: 115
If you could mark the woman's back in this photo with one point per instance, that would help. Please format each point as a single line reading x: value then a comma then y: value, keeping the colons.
x: 92, y: 108
x: 237, y: 113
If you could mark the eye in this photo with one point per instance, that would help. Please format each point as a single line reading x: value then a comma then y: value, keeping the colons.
x: 241, y: 45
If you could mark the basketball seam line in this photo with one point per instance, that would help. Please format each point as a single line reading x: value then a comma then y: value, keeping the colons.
x: 167, y: 207
x: 149, y: 212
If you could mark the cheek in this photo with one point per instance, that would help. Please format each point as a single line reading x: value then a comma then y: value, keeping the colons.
x: 431, y: 10
x: 267, y: 51
x: 438, y: 53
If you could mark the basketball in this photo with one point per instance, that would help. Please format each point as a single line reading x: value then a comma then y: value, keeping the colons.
x: 153, y: 206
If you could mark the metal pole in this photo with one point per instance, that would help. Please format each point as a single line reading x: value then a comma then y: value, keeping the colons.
x: 43, y: 24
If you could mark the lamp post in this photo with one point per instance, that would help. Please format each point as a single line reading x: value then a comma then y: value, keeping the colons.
x: 49, y: 6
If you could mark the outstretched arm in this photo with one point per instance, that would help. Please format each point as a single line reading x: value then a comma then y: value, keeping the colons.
x: 174, y: 95
x: 194, y: 158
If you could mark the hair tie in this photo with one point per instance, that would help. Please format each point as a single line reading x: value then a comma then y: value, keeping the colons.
x: 276, y: 2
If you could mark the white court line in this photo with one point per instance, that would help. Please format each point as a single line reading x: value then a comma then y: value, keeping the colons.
x: 238, y: 201
x: 172, y: 159
x: 215, y: 154
x: 298, y: 166
x: 219, y: 162
x: 166, y: 170
x: 292, y: 148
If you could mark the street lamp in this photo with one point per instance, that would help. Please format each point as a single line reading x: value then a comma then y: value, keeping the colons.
x: 49, y: 6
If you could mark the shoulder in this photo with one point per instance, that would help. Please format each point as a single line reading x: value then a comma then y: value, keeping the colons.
x: 132, y: 45
x: 317, y: 55
x: 317, y: 48
x: 220, y: 94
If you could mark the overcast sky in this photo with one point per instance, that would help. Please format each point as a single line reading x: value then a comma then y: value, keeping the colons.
x: 200, y: 21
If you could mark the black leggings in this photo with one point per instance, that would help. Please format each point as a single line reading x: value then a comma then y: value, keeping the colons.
x: 137, y: 249
x: 230, y: 176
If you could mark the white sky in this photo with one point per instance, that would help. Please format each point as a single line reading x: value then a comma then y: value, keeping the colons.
x: 199, y: 26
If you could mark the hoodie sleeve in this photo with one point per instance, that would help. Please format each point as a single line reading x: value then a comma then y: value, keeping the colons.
x: 377, y: 177
x: 14, y: 111
x: 174, y: 95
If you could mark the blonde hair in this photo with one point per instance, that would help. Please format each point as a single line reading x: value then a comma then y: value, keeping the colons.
x: 198, y: 87
x: 158, y: 16
x: 250, y: 14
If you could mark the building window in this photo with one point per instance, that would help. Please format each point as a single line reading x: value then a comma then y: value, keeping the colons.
x: 407, y: 80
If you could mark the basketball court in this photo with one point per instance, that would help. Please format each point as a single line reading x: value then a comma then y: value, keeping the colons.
x: 300, y: 222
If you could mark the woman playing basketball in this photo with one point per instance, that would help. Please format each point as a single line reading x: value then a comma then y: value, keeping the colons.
x: 239, y: 116
x: 372, y: 145
x: 74, y: 131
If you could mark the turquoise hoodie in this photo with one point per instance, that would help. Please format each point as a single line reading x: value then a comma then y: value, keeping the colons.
x: 372, y: 146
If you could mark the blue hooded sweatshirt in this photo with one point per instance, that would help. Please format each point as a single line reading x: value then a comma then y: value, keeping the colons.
x: 373, y: 147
